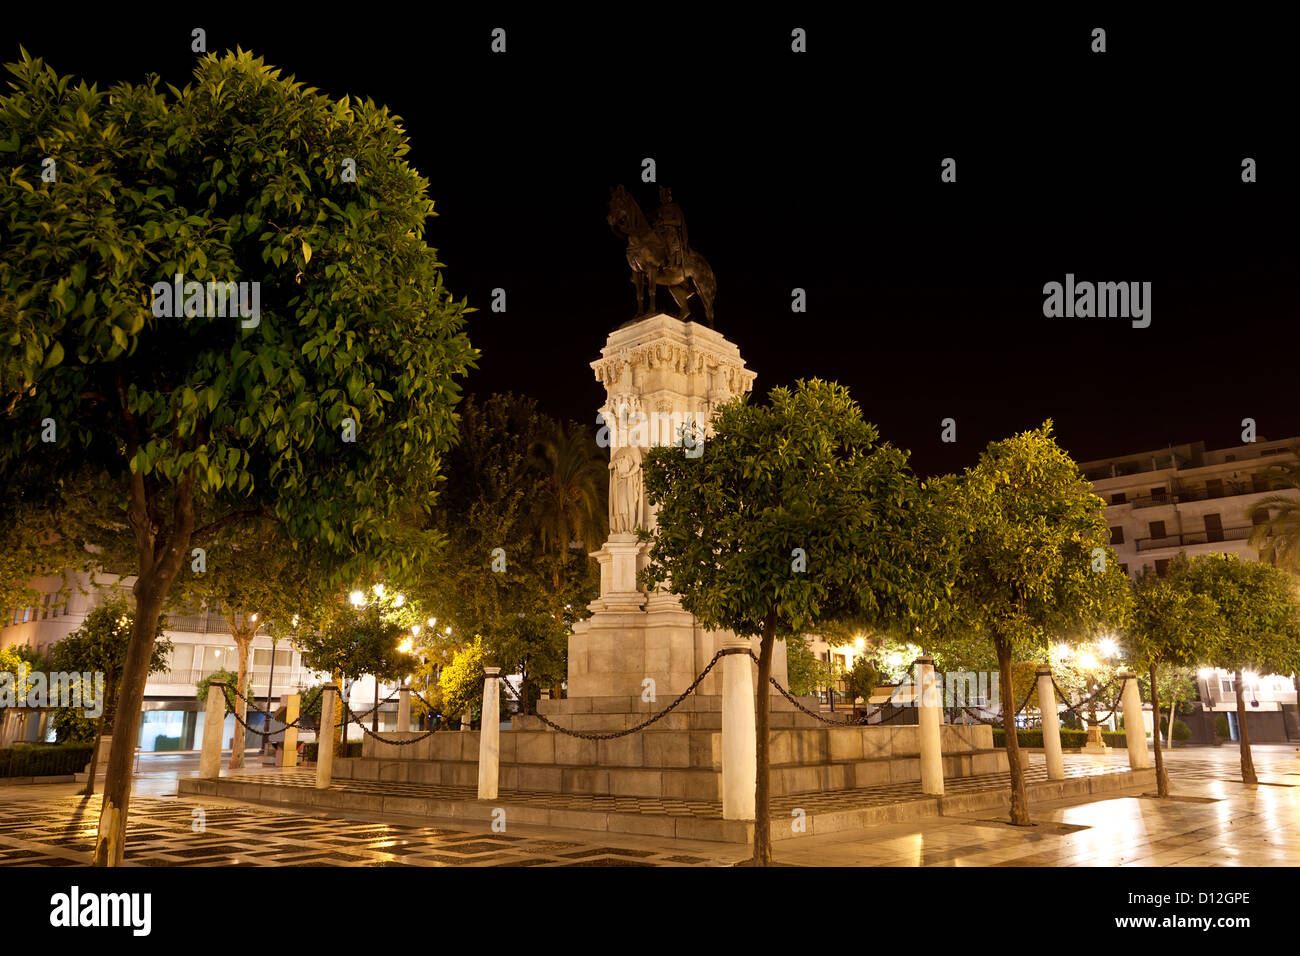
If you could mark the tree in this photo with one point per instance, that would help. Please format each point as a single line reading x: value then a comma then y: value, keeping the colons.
x: 793, y: 515
x: 861, y: 680
x: 364, y: 637
x: 1171, y: 627
x: 804, y: 672
x: 461, y: 684
x: 1256, y: 628
x: 102, y: 644
x: 1277, y: 539
x: 324, y: 402
x: 1035, y: 564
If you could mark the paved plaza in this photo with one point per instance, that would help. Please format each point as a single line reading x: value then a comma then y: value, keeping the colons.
x: 1212, y: 820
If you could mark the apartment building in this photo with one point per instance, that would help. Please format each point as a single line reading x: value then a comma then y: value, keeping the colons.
x: 202, y: 645
x: 1194, y: 500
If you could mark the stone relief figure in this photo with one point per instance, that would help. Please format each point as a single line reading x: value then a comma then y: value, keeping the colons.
x: 625, y: 491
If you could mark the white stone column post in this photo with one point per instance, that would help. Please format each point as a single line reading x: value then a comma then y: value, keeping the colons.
x: 325, y: 739
x: 1134, y: 727
x: 403, y: 710
x: 465, y: 723
x: 489, y: 737
x: 929, y: 717
x: 214, y: 719
x: 739, y: 740
x: 292, y: 708
x: 1051, y: 725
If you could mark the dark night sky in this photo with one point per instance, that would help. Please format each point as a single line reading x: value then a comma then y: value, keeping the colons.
x: 821, y: 171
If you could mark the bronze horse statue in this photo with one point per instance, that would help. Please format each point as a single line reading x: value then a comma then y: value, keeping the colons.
x: 660, y: 256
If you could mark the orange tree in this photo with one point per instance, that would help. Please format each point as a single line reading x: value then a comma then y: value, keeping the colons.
x: 323, y: 404
x: 794, y: 515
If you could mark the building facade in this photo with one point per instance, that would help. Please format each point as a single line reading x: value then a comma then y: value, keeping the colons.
x: 1194, y: 500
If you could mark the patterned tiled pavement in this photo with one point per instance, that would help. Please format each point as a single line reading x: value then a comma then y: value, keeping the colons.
x: 1213, y: 820
x: 60, y: 831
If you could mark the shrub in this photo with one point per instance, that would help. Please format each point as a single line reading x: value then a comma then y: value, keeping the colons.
x: 1069, y: 738
x: 310, y: 750
x: 44, y: 760
x: 1221, y: 728
x: 1181, y: 731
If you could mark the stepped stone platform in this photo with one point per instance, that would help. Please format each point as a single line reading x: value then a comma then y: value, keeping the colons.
x: 678, y: 758
x: 829, y: 812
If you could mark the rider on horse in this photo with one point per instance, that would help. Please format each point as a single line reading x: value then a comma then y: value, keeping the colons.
x: 670, y: 225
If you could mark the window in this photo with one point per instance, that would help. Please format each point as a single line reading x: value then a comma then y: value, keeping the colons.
x: 1159, y: 493
x: 1124, y: 568
x: 1157, y: 529
x: 1119, y: 498
x: 183, y: 658
x: 1261, y: 517
x: 1162, y: 567
x: 1116, y: 535
x: 45, y: 607
x: 1226, y: 686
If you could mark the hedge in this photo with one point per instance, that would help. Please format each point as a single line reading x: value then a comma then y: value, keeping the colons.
x: 309, y: 750
x: 1069, y: 738
x: 54, y: 760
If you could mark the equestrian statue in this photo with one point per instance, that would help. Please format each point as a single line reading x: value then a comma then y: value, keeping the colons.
x: 659, y: 254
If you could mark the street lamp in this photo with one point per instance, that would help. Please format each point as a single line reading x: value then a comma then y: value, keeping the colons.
x: 357, y: 598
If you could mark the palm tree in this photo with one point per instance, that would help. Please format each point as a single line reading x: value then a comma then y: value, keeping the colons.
x: 1278, y: 539
x: 571, y: 512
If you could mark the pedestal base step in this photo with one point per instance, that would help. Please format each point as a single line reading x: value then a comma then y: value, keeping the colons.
x: 829, y: 812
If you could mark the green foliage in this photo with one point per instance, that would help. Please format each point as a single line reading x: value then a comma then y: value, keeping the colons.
x: 365, y: 640
x: 1181, y: 730
x: 1222, y: 728
x: 39, y: 760
x: 1171, y: 624
x: 804, y: 672
x: 100, y: 645
x: 805, y: 472
x: 861, y: 680
x: 232, y: 681
x: 1257, y: 625
x: 461, y: 685
x: 1278, y: 538
x: 311, y: 749
x: 1031, y: 529
x: 1070, y: 739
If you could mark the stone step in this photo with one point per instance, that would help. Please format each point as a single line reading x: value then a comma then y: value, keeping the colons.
x: 689, y: 782
x: 825, y: 813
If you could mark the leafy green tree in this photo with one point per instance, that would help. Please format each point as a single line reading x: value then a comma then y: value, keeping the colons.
x: 230, y: 678
x: 1257, y: 626
x: 1171, y: 627
x: 461, y: 684
x: 1277, y: 539
x: 804, y: 672
x: 365, y: 639
x: 793, y: 515
x: 102, y: 644
x: 1036, y: 564
x: 327, y: 410
x: 861, y: 680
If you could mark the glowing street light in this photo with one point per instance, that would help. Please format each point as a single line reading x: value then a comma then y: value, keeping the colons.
x: 357, y: 598
x: 1108, y: 647
x: 415, y: 630
x: 1087, y: 661
x: 379, y: 590
x: 433, y: 622
x: 1064, y: 651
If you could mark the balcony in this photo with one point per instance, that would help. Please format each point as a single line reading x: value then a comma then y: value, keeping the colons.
x: 1194, y: 537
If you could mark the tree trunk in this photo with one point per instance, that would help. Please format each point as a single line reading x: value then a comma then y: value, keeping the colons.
x: 110, y: 843
x: 89, y: 790
x: 1247, y: 764
x: 1169, y: 744
x: 1019, y: 798
x: 243, y: 643
x: 1162, y: 778
x: 762, y: 753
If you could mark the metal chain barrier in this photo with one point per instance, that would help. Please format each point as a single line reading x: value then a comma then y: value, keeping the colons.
x: 370, y: 733
x: 852, y: 722
x: 586, y: 735
x: 1076, y: 709
x: 251, y: 705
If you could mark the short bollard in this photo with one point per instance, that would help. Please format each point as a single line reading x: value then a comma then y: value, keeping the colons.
x: 739, y: 740
x: 292, y: 707
x: 489, y: 736
x: 403, y: 710
x: 929, y: 717
x: 325, y: 739
x: 1051, y: 725
x: 1135, y: 733
x: 214, y: 721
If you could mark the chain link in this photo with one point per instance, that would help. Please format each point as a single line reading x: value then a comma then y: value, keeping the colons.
x: 587, y: 735
x: 251, y: 705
